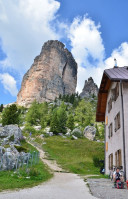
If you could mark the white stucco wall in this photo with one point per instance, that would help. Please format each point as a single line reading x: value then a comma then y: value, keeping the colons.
x: 116, y: 141
x: 125, y: 100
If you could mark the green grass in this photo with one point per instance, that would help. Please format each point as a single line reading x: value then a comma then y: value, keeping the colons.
x: 23, y: 178
x: 76, y: 156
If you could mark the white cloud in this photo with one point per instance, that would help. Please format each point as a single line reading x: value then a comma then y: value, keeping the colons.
x: 89, y: 52
x: 121, y: 55
x: 24, y: 26
x: 9, y: 83
x: 87, y: 47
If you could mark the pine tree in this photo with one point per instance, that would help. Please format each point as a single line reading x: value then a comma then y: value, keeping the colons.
x: 97, y: 131
x: 1, y: 107
x: 54, y: 122
x: 33, y: 114
x: 10, y: 115
x: 70, y: 122
x: 62, y: 118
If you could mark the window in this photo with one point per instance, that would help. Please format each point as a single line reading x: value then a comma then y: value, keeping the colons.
x: 117, y: 122
x: 110, y: 161
x: 118, y: 158
x: 109, y: 105
x: 115, y: 92
x: 110, y: 128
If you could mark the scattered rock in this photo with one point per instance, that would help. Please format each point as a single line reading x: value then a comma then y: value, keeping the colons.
x: 42, y: 136
x: 44, y: 143
x: 10, y: 157
x: 90, y: 132
x: 50, y: 133
x: 74, y: 137
x: 37, y: 128
x: 47, y: 129
x: 68, y: 134
x: 64, y: 136
x: 77, y: 132
x: 60, y: 134
x: 22, y: 128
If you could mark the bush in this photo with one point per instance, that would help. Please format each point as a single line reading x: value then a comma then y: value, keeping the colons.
x: 1, y: 107
x: 97, y: 162
x: 33, y: 172
x: 29, y: 129
x: 11, y: 138
x: 10, y: 115
x: 20, y: 149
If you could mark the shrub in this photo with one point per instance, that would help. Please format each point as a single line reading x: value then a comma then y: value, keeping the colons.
x: 20, y: 149
x: 11, y: 138
x: 29, y: 129
x: 97, y: 162
x: 10, y: 115
x: 33, y: 172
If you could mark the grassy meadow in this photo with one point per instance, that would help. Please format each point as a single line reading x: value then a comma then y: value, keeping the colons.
x: 75, y: 156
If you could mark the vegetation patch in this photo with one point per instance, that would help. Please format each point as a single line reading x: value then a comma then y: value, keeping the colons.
x: 76, y: 156
x: 25, y: 177
x: 20, y: 148
x: 11, y: 138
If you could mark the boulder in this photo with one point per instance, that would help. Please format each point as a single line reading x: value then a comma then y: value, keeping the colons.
x: 74, y: 137
x: 10, y: 157
x: 47, y: 129
x: 50, y: 133
x: 90, y: 132
x: 42, y: 136
x: 37, y: 128
x: 10, y: 130
x: 68, y: 134
x: 77, y: 133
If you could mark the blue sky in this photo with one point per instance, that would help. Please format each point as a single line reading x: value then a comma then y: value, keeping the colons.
x: 95, y: 31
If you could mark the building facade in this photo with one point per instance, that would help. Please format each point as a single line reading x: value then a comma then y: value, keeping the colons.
x: 112, y: 109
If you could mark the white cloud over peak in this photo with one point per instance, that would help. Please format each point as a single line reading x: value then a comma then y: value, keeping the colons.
x: 89, y: 52
x: 24, y: 26
x: 9, y: 83
x: 87, y: 47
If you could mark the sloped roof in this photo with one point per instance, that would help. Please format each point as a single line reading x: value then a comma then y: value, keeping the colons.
x: 117, y: 74
x: 109, y: 76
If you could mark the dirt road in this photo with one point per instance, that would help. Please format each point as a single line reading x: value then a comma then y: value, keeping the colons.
x: 61, y: 186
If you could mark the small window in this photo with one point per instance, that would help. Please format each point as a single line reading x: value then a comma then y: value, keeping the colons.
x: 118, y: 158
x: 110, y: 134
x: 117, y: 122
x: 110, y: 161
x: 117, y: 91
x: 109, y: 105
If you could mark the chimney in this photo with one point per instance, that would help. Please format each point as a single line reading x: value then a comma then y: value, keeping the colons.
x: 115, y: 63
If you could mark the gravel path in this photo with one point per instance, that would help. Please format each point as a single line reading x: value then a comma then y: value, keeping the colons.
x: 61, y: 186
x: 102, y: 188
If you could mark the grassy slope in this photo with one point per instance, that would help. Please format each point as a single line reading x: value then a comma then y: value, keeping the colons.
x: 74, y: 155
x: 12, y: 180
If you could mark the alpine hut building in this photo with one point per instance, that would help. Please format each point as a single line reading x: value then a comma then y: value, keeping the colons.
x: 112, y: 108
